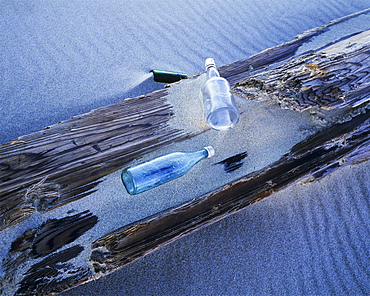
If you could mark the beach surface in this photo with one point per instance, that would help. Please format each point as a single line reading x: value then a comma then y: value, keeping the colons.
x: 61, y: 59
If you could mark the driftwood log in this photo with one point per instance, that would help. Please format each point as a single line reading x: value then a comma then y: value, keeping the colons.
x: 64, y: 162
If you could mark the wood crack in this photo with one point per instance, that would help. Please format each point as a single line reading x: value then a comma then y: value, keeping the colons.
x: 66, y: 161
x: 325, y: 79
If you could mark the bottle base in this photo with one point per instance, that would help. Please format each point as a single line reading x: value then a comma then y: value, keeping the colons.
x: 223, y: 119
x: 128, y: 182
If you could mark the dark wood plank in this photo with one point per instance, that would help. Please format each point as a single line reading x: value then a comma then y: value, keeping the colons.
x: 65, y: 162
x: 335, y: 77
x: 70, y: 157
x: 51, y: 274
x: 339, y: 144
x: 237, y: 71
x: 313, y: 158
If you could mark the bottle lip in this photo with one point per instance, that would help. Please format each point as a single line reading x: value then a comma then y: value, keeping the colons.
x: 210, y: 150
x: 210, y: 63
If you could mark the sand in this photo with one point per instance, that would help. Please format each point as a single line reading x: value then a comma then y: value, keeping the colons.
x: 304, y: 240
x: 60, y: 59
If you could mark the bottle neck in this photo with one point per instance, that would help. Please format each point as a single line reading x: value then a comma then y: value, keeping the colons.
x: 212, y: 72
x: 200, y: 154
x: 206, y: 152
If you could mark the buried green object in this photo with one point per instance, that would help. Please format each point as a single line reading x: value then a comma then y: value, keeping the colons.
x: 167, y: 76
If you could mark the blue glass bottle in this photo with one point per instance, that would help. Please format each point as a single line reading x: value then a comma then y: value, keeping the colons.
x: 162, y: 169
x: 219, y: 104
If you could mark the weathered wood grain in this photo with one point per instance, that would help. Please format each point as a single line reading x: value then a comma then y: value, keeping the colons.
x: 312, y: 159
x: 50, y: 274
x: 65, y: 162
x: 239, y: 70
x: 340, y: 144
x: 70, y: 157
x: 334, y: 77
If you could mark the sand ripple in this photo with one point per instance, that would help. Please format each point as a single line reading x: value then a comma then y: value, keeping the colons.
x: 62, y: 58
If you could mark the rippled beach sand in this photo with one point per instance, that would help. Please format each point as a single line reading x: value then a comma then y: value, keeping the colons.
x: 62, y: 58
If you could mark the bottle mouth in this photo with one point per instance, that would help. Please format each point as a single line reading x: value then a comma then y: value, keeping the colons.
x: 210, y: 63
x: 210, y: 150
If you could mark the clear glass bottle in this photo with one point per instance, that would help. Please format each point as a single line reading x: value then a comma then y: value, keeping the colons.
x: 220, y: 108
x: 150, y: 174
